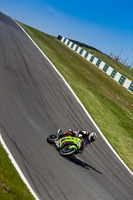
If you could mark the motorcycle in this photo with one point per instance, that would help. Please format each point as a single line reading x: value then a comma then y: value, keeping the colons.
x: 67, y: 145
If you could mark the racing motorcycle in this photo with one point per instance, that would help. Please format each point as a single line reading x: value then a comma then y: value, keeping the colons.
x: 67, y: 145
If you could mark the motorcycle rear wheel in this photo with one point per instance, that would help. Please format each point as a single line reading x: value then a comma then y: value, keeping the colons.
x: 66, y: 151
x: 51, y: 139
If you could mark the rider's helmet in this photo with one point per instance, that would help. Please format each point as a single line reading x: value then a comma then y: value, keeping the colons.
x: 92, y: 137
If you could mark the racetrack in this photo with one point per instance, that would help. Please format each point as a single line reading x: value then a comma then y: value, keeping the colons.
x: 34, y: 103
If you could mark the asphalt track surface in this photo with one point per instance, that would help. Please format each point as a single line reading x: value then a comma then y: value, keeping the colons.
x: 35, y: 102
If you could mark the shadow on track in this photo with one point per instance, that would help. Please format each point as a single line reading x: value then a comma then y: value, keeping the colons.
x: 74, y: 159
x: 81, y: 163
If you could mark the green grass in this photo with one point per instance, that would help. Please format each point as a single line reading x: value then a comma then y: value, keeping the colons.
x: 122, y: 69
x: 109, y: 104
x: 11, y: 185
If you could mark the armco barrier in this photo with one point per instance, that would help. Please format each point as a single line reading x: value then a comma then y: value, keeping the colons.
x: 128, y: 84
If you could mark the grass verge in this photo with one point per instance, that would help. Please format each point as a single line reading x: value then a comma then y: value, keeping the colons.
x: 11, y: 185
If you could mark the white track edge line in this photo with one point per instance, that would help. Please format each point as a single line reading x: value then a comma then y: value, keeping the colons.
x: 77, y: 100
x: 17, y: 167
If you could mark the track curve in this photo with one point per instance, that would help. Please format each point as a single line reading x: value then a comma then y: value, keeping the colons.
x: 34, y: 103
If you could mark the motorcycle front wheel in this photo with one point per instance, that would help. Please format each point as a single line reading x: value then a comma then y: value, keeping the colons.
x: 51, y: 139
x: 66, y: 151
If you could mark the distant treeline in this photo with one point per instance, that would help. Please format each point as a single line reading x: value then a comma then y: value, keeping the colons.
x: 80, y: 44
x: 84, y: 45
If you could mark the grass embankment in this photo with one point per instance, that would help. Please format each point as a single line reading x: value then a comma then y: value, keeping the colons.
x: 122, y: 69
x: 11, y: 185
x: 109, y: 104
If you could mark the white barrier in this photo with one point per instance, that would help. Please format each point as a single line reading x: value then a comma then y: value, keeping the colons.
x: 128, y: 84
